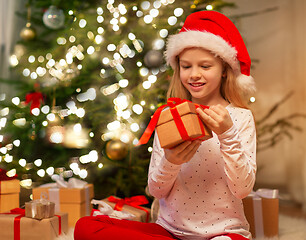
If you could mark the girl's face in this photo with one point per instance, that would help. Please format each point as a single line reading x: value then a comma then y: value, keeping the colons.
x: 201, y: 74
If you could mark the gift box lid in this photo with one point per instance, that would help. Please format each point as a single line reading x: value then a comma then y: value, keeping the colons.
x: 183, y: 109
x: 10, y: 186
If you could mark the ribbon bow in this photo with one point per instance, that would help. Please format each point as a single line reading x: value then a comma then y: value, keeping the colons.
x: 21, y: 213
x: 4, y: 177
x: 135, y: 202
x: 172, y: 103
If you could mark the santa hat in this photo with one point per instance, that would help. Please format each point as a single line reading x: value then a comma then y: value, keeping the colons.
x: 217, y: 33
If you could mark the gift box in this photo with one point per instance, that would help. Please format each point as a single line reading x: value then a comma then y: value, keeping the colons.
x: 15, y: 226
x: 180, y: 123
x: 39, y: 209
x: 9, y: 194
x: 74, y: 201
x: 261, y: 209
x: 132, y: 206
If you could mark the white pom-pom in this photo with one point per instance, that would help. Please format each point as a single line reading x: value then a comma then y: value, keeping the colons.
x: 246, y: 83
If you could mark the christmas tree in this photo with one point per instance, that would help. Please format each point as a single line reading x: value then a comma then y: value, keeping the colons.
x: 89, y: 76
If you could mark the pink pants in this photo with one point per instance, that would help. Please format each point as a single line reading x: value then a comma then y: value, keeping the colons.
x: 103, y: 227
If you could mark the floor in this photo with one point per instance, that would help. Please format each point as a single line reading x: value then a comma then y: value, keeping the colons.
x: 292, y: 209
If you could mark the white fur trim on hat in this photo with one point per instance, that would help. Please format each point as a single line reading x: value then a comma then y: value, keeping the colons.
x: 246, y: 83
x: 188, y: 39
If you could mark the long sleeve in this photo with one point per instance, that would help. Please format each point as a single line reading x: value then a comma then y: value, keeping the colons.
x: 238, y: 149
x: 162, y: 173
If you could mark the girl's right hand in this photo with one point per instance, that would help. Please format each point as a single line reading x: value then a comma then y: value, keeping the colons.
x: 183, y: 152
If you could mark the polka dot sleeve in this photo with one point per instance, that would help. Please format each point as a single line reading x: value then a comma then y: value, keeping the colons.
x: 238, y: 150
x: 162, y: 173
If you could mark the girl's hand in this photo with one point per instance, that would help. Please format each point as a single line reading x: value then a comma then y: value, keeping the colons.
x: 216, y: 118
x: 183, y: 152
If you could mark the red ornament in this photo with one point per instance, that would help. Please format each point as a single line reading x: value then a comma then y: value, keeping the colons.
x: 35, y: 98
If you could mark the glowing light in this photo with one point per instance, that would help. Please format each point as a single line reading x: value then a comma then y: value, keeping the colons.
x: 172, y: 20
x: 20, y: 122
x: 122, y: 9
x: 3, y: 150
x: 38, y: 162
x: 100, y: 165
x: 35, y: 111
x: 77, y: 127
x: 146, y: 84
x: 158, y: 44
x: 105, y: 60
x: 123, y: 20
x: 152, y: 78
x: 90, y: 50
x: 252, y: 99
x: 74, y: 166
x: 22, y: 162
x: 143, y: 102
x: 45, y: 109
x: 44, y: 123
x: 134, y: 127
x: 31, y: 59
x: 178, y: 12
x: 11, y: 173
x: 150, y: 149
x: 80, y: 112
x: 83, y: 173
x: 16, y: 143
x: 16, y: 100
x: 139, y: 13
x: 33, y: 75
x: 144, y: 71
x: 148, y: 19
x: 61, y: 41
x: 41, y: 172
x: 154, y: 13
x: 163, y: 33
x: 157, y: 4
x: 145, y: 5
x: 138, y: 109
x: 82, y: 23
x: 8, y: 158
x: 132, y: 36
x: 113, y: 125
x: 50, y: 171
x: 51, y: 117
x: 57, y: 137
x: 209, y: 7
x: 99, y: 11
x: 72, y: 39
x: 98, y: 39
x: 123, y: 83
x: 100, y: 19
x: 26, y: 72
x: 121, y: 102
x: 100, y: 30
x: 126, y: 114
x: 14, y: 61
x: 26, y: 183
x: 111, y: 47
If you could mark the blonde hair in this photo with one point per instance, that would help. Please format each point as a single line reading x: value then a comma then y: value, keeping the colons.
x: 229, y: 88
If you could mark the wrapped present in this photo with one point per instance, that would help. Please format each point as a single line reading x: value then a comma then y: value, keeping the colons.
x: 72, y: 197
x: 130, y: 205
x: 9, y: 192
x: 261, y: 209
x: 39, y: 209
x: 14, y: 226
x: 178, y: 123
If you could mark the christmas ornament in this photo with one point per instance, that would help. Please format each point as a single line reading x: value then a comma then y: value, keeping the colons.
x: 116, y: 150
x: 153, y: 59
x: 35, y: 98
x: 28, y: 33
x: 54, y: 18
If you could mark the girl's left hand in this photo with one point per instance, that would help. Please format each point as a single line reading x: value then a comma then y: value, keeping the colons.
x: 216, y: 118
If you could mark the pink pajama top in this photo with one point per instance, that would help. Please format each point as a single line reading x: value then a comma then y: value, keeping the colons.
x: 201, y: 199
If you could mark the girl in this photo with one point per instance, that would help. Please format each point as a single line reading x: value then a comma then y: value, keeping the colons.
x: 200, y: 184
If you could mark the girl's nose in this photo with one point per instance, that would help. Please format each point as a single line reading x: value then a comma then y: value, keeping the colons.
x: 195, y: 74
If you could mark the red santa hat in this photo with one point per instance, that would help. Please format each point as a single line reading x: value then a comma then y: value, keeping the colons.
x: 217, y: 33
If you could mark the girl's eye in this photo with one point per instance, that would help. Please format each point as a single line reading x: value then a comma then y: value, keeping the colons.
x: 185, y: 67
x: 206, y: 66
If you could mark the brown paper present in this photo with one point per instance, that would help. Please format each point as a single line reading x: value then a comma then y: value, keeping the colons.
x: 9, y: 195
x: 142, y: 214
x: 39, y: 209
x: 167, y: 131
x: 29, y: 228
x: 74, y: 201
x: 261, y: 210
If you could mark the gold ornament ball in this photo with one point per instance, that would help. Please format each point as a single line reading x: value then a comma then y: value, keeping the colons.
x: 28, y: 33
x: 116, y: 150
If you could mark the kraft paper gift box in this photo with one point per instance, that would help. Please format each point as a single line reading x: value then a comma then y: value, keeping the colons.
x: 74, y: 201
x: 169, y: 126
x: 9, y: 194
x: 15, y: 226
x: 262, y: 212
x: 39, y: 209
x: 129, y: 206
